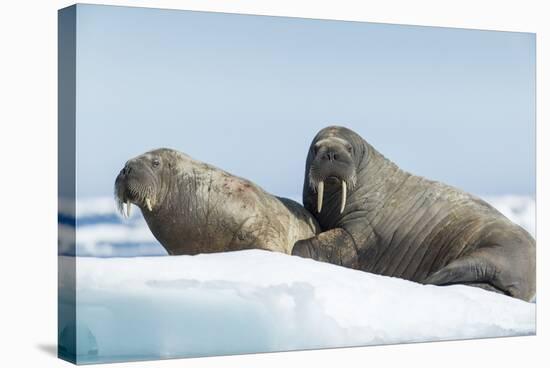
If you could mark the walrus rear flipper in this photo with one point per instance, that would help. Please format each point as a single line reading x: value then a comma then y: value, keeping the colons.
x: 470, y: 270
x: 486, y: 286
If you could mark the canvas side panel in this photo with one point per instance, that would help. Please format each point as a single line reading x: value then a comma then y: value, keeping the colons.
x: 66, y: 310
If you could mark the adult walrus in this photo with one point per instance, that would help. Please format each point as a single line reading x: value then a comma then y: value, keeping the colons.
x: 192, y: 207
x: 378, y: 218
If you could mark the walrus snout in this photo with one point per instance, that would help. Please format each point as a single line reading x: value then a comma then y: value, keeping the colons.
x: 134, y: 185
x: 332, y: 165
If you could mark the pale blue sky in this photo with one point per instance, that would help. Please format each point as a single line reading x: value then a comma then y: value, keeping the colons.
x: 248, y: 93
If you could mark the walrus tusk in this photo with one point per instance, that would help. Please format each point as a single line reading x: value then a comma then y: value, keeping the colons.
x: 128, y: 208
x: 344, y: 195
x: 148, y: 203
x: 320, y: 192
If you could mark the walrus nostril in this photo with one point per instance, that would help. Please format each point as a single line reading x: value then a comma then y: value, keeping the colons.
x: 330, y: 156
x: 126, y: 170
x: 327, y: 156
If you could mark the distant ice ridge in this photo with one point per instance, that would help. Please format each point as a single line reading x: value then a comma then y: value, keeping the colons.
x: 102, y: 232
x: 520, y: 209
x: 259, y: 301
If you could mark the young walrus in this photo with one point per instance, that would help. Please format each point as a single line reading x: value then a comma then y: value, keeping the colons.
x: 192, y: 207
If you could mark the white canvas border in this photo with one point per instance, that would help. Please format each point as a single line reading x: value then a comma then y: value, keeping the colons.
x: 28, y: 116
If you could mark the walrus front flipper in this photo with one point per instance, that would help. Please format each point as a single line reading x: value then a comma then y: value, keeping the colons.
x: 470, y: 270
x: 334, y: 246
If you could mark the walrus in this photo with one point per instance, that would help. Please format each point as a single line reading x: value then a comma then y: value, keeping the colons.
x: 192, y: 207
x: 379, y: 218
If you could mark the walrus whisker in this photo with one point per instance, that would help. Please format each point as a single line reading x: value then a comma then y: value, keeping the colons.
x: 119, y: 205
x: 312, y: 181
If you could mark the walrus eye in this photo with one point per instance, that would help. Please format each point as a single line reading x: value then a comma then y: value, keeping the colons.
x: 156, y: 162
x: 349, y: 148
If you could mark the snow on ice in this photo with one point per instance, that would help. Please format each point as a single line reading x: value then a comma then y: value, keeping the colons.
x: 259, y: 301
x: 148, y: 307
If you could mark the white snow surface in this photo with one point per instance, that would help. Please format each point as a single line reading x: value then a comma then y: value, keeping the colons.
x: 258, y: 301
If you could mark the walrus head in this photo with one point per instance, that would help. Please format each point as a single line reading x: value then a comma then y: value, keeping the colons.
x: 332, y: 162
x: 140, y: 181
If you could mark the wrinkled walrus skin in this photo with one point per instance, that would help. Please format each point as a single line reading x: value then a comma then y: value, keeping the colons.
x: 397, y: 224
x: 192, y: 207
